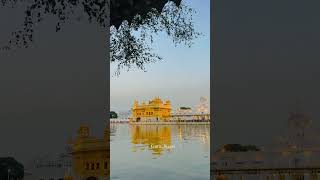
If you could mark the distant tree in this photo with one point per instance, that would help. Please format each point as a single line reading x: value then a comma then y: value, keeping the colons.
x: 113, y: 115
x: 185, y: 108
x: 238, y: 148
x: 127, y: 19
x: 16, y: 169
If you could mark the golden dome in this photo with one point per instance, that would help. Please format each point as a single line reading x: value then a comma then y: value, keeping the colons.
x: 84, y: 131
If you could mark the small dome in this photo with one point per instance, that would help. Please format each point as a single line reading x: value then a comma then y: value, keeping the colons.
x: 83, y: 131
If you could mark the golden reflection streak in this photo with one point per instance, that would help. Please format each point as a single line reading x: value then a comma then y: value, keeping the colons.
x: 159, y: 138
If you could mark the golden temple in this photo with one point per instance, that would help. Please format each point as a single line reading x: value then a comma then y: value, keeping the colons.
x: 155, y: 110
x: 90, y: 156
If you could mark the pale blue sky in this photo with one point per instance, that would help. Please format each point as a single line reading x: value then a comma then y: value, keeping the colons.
x: 183, y: 76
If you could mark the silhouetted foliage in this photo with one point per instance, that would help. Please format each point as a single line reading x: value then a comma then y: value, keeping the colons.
x: 16, y: 169
x: 129, y: 50
x: 127, y: 19
x: 185, y: 108
x: 238, y: 148
x: 113, y: 115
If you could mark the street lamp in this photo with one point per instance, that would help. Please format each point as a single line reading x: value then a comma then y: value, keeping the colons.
x: 9, y: 173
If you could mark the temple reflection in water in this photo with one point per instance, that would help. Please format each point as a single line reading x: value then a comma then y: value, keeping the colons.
x: 152, y: 151
x: 159, y: 138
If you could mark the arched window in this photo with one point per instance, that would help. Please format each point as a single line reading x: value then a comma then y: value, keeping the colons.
x: 106, y: 165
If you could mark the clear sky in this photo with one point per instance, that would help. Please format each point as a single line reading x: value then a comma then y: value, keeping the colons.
x: 183, y: 76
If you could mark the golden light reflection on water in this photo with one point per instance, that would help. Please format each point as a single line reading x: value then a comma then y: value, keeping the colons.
x: 155, y: 138
x: 159, y: 138
x: 150, y: 151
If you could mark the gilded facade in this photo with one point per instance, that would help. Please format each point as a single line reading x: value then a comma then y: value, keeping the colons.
x: 90, y: 156
x: 154, y: 110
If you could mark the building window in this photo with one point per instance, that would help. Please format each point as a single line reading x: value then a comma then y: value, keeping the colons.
x: 97, y: 165
x: 92, y: 166
x: 87, y: 166
x: 105, y: 165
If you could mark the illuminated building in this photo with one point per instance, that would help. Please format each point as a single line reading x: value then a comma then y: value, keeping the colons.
x: 155, y: 110
x: 90, y: 156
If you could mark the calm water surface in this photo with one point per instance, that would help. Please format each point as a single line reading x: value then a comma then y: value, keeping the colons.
x: 160, y: 152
